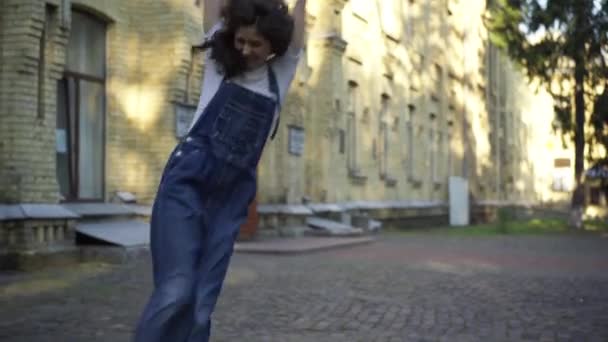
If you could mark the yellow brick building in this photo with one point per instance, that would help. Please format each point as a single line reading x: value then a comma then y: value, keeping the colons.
x: 391, y: 99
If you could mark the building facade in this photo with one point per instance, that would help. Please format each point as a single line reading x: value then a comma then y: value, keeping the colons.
x: 391, y: 98
x: 394, y: 97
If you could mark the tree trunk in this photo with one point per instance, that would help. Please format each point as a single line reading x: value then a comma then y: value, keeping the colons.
x: 578, y: 196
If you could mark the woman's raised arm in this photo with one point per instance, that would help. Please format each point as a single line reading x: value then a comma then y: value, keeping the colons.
x: 299, y: 25
x: 212, y: 13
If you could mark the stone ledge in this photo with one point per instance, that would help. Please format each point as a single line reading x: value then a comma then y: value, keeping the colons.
x: 35, y: 211
x: 27, y: 211
x: 325, y: 227
x: 311, y: 208
x: 287, y: 209
x: 501, y: 203
x: 325, y: 207
x: 279, y: 218
x: 367, y: 205
x: 141, y: 210
x: 98, y: 209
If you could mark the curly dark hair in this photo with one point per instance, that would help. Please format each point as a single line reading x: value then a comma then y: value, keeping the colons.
x: 271, y: 19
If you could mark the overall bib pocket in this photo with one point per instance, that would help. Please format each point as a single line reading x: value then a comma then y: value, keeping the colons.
x: 240, y: 129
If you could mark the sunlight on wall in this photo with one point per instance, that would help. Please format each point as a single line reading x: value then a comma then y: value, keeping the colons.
x: 134, y: 175
x: 141, y: 103
x: 544, y: 145
x: 480, y: 130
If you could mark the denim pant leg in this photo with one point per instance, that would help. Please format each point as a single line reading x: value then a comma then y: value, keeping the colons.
x: 224, y: 227
x: 176, y: 239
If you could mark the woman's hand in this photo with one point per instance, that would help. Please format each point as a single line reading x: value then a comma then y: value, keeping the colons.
x: 212, y: 13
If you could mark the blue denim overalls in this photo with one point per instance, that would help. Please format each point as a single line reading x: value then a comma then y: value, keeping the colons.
x: 202, y: 200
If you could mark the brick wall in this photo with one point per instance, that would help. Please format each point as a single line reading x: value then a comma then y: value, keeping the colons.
x: 27, y: 120
x: 158, y: 61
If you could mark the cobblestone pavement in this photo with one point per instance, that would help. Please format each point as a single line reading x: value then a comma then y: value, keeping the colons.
x: 401, y: 288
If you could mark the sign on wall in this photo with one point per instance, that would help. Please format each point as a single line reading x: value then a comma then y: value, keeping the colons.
x: 61, y: 141
x: 184, y: 114
x: 296, y: 140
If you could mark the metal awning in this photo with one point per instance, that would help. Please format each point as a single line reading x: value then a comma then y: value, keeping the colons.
x: 597, y: 172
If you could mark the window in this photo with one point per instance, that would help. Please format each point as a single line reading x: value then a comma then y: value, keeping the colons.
x: 427, y: 13
x: 448, y: 150
x: 410, y: 139
x: 384, y: 135
x: 432, y: 153
x: 438, y: 171
x: 390, y: 18
x: 445, y: 21
x: 43, y: 45
x: 342, y: 146
x: 437, y: 92
x: 410, y: 25
x: 595, y: 195
x: 351, y: 128
x: 81, y: 111
x: 374, y: 149
x: 296, y: 141
x: 562, y: 175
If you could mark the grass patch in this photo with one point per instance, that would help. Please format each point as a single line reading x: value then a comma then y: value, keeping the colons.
x: 510, y: 227
x: 599, y: 226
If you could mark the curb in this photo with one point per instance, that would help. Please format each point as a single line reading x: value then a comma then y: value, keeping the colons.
x: 70, y: 255
x: 299, y: 245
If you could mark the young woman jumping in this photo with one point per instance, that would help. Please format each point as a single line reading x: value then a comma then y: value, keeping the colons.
x: 252, y: 50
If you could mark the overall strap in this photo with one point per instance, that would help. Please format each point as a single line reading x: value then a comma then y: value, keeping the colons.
x: 274, y: 88
x: 195, y: 125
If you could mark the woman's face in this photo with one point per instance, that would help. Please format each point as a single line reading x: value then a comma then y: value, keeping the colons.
x: 255, y: 48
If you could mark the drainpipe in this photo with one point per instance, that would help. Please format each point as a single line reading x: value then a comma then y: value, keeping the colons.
x: 497, y: 112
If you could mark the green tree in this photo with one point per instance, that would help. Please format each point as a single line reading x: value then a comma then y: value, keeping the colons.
x: 562, y: 43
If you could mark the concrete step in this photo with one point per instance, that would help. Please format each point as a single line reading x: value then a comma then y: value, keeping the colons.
x: 325, y: 227
x: 125, y: 233
x: 95, y: 211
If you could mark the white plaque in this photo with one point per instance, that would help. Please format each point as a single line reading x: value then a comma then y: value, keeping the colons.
x: 296, y: 140
x: 61, y: 142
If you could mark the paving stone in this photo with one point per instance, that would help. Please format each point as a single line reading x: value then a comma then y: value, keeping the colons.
x: 390, y: 290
